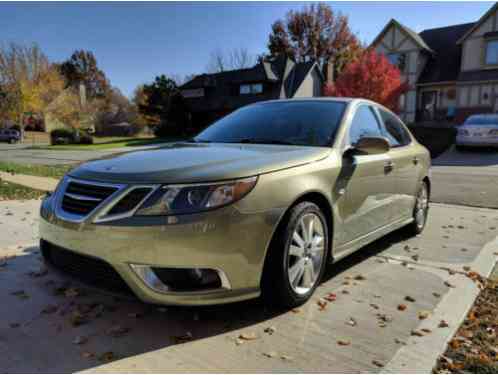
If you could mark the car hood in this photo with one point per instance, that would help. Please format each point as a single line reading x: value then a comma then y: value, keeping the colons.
x: 191, y: 162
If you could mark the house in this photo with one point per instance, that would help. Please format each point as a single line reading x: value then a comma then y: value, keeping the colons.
x: 452, y: 71
x: 211, y: 96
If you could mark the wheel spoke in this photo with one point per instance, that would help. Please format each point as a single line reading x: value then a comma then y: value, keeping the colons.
x: 296, y: 272
x: 296, y: 237
x: 309, y: 275
x: 296, y: 251
x: 311, y: 229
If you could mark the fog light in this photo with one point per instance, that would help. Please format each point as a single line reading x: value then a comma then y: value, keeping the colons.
x: 167, y: 280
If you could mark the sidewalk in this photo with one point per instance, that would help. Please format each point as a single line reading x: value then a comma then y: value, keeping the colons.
x: 34, y: 182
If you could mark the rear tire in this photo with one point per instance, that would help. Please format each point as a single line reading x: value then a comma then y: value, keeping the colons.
x: 420, y: 211
x: 297, y: 257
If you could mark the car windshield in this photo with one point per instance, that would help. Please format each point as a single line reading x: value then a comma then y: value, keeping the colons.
x: 304, y: 123
x: 482, y: 120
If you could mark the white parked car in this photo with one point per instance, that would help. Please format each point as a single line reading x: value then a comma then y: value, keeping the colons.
x: 478, y: 130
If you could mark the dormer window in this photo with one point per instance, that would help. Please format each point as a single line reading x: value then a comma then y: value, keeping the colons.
x: 491, y: 57
x: 397, y: 59
x: 254, y: 88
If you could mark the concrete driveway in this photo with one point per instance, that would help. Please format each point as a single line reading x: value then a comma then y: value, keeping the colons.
x: 466, y: 178
x: 51, y: 323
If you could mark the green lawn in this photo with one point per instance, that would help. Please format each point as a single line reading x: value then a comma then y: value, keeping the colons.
x: 10, y: 191
x: 105, y: 143
x: 55, y: 171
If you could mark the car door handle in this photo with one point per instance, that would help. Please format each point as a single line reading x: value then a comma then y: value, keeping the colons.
x: 388, y: 166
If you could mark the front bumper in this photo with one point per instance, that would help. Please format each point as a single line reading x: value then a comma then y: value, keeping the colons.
x: 462, y: 140
x: 225, y: 239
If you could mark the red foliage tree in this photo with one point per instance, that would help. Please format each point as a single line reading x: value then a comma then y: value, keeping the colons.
x: 372, y: 77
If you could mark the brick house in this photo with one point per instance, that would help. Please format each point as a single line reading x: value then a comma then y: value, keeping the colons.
x: 452, y: 71
x: 211, y: 96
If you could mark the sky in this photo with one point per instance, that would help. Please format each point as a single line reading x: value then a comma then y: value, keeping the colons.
x: 134, y: 42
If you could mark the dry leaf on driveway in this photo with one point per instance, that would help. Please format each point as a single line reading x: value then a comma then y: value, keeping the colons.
x: 377, y: 363
x: 401, y: 307
x: 322, y: 304
x: 270, y: 354
x: 248, y: 336
x: 118, y: 331
x: 409, y: 299
x: 424, y: 314
x: 443, y: 324
x: 270, y: 330
x: 343, y: 342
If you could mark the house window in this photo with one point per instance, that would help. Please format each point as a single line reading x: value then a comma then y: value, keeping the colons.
x: 398, y: 60
x: 255, y: 88
x: 492, y: 52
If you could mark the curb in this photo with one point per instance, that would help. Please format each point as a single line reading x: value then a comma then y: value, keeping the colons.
x: 420, y: 356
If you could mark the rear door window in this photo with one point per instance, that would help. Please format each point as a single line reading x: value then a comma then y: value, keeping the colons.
x: 394, y: 129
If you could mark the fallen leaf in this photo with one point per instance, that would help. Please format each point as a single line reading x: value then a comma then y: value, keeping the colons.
x: 443, y: 324
x: 374, y: 306
x: 286, y: 357
x: 406, y: 248
x: 49, y: 309
x: 437, y: 295
x: 106, y: 357
x: 415, y: 257
x: 416, y: 333
x: 344, y: 291
x: 296, y: 310
x: 331, y: 297
x: 398, y: 341
x: 87, y: 355
x: 270, y: 330
x: 322, y: 304
x: 270, y: 354
x: 409, y: 299
x: 423, y: 314
x: 466, y: 268
x: 71, y: 293
x: 80, y: 340
x: 118, y: 331
x: 448, y: 284
x: 343, y: 342
x: 377, y: 363
x: 426, y: 330
x: 352, y: 322
x: 360, y: 277
x: 248, y: 336
x: 401, y: 307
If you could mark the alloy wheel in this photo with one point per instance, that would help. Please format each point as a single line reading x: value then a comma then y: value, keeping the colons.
x: 421, y: 206
x: 306, y: 253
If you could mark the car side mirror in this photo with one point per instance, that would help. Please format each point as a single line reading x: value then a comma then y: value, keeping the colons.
x: 371, y: 146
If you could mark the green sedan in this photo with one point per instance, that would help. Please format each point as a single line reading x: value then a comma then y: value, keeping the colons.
x: 258, y: 204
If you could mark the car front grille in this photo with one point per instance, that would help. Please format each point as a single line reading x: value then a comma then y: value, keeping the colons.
x: 90, y: 270
x: 129, y: 201
x: 83, y: 198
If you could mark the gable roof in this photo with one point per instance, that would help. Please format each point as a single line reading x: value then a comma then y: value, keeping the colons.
x: 444, y: 64
x: 279, y: 73
x: 407, y: 31
x: 478, y: 23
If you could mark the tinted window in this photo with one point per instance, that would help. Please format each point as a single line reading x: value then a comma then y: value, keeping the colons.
x: 364, y: 124
x: 307, y: 123
x: 492, y: 52
x: 394, y: 129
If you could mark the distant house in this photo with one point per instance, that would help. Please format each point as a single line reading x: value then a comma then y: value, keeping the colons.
x: 211, y: 96
x: 452, y: 71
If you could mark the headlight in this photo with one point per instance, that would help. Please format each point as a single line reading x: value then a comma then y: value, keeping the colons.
x: 184, y: 199
x: 493, y: 132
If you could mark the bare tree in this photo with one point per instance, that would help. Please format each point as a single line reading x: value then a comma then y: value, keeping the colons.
x: 237, y: 58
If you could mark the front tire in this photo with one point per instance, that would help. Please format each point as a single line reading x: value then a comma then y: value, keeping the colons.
x: 297, y: 257
x: 421, y: 210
